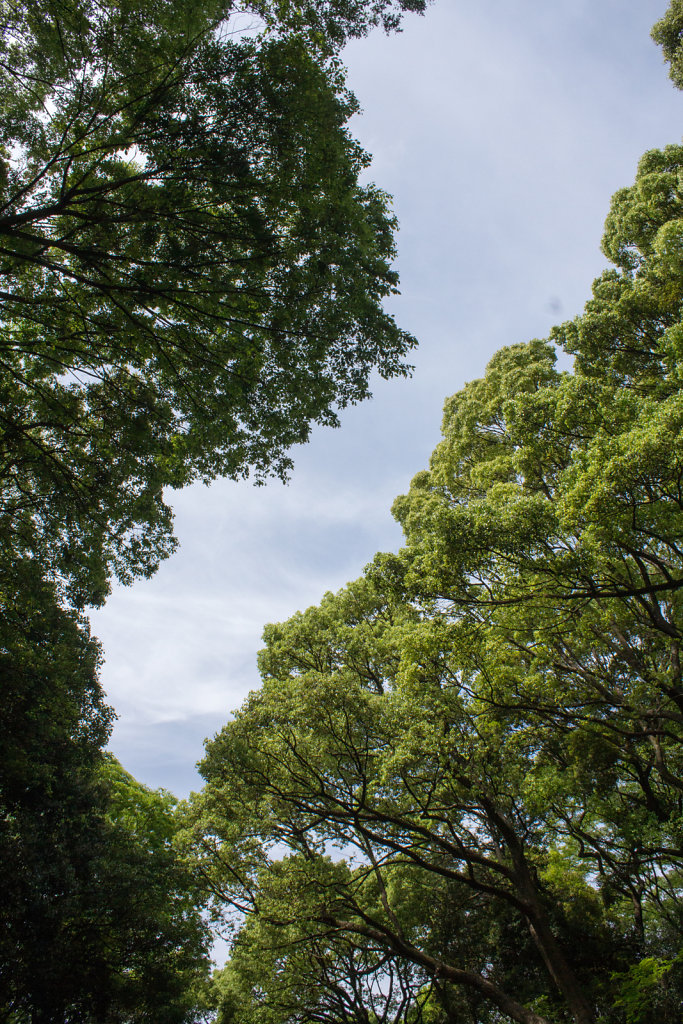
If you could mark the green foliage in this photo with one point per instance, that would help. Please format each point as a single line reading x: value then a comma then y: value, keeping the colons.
x: 54, y: 718
x: 101, y: 919
x: 329, y: 23
x: 458, y: 794
x: 53, y: 724
x: 193, y: 274
x: 643, y: 990
x: 668, y: 33
x: 487, y: 728
x: 385, y: 753
x: 295, y: 969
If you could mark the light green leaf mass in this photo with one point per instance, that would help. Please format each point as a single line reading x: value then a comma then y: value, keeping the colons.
x: 487, y: 727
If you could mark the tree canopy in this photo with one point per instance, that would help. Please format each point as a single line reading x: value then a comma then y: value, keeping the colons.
x: 458, y: 795
x: 192, y: 273
x: 101, y: 920
x: 472, y: 757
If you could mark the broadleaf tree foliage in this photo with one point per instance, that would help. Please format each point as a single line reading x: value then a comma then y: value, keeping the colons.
x: 101, y: 919
x: 470, y: 760
x: 192, y: 273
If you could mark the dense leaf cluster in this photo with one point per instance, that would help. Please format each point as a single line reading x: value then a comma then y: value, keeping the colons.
x: 192, y: 273
x: 100, y: 919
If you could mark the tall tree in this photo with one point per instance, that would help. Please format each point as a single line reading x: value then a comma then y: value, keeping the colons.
x: 488, y: 726
x: 366, y: 735
x: 192, y: 275
x: 192, y: 272
x: 52, y: 729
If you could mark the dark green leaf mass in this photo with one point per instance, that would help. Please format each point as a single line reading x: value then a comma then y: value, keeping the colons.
x: 192, y: 273
x: 191, y: 276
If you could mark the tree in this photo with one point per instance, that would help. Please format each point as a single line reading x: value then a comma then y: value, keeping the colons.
x: 667, y: 33
x: 102, y: 920
x: 193, y: 274
x: 554, y: 502
x: 53, y: 726
x: 488, y: 726
x: 364, y: 737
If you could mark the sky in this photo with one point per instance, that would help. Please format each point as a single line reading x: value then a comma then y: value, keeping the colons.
x: 501, y: 131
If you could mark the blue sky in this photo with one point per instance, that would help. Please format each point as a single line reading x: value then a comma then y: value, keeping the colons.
x: 501, y: 131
